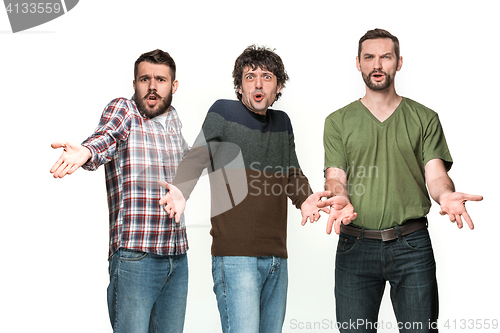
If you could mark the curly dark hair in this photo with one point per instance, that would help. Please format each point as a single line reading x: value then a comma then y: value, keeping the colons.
x: 156, y: 57
x: 376, y: 34
x: 259, y: 57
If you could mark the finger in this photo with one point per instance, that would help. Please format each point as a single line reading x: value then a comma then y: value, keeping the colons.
x: 163, y: 184
x: 460, y: 224
x: 442, y: 212
x: 60, y: 171
x: 56, y: 165
x: 304, y: 220
x: 468, y: 220
x: 315, y: 217
x: 337, y: 226
x: 452, y: 218
x: 323, y: 194
x: 325, y: 203
x: 177, y: 218
x: 472, y: 197
x: 329, y: 224
x: 58, y: 144
x: 73, y: 169
x: 64, y: 172
x: 346, y: 221
x: 325, y: 210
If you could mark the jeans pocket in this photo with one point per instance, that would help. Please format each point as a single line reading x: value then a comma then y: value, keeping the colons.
x: 131, y: 255
x: 346, y: 243
x: 418, y: 240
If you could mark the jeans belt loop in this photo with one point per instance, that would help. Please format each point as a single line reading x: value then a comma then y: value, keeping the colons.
x: 361, y: 236
x: 398, y: 231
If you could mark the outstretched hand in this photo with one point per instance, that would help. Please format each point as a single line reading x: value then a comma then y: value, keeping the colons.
x: 341, y: 211
x: 174, y: 201
x: 310, y: 208
x: 74, y: 156
x: 453, y: 205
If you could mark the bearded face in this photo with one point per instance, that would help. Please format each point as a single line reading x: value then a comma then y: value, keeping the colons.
x: 152, y: 104
x: 154, y: 88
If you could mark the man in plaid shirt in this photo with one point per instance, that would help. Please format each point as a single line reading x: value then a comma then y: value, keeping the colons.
x: 141, y: 144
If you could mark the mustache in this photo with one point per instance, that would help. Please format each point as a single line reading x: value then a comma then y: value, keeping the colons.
x: 377, y: 71
x: 152, y: 93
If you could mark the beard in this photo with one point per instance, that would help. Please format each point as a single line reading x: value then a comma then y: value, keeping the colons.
x: 160, y: 108
x: 378, y: 86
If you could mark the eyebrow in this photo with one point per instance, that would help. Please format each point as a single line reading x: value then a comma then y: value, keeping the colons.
x: 382, y: 55
x: 155, y: 76
x: 255, y: 72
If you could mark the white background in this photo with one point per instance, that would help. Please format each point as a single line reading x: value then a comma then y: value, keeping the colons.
x: 57, y: 78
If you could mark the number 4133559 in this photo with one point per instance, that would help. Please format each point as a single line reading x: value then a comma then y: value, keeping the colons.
x: 33, y: 8
x: 469, y: 324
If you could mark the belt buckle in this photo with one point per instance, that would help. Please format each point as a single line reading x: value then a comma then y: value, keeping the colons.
x: 388, y: 234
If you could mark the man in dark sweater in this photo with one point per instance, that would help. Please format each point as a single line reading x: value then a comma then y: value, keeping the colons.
x: 249, y: 151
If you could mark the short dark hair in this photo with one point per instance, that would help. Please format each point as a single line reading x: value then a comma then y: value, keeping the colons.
x: 379, y: 33
x: 262, y: 57
x: 156, y: 57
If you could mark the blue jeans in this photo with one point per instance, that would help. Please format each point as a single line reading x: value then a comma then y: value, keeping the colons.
x: 251, y: 293
x: 362, y: 268
x: 147, y: 292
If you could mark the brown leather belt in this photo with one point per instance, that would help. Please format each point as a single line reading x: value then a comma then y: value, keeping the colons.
x: 387, y: 234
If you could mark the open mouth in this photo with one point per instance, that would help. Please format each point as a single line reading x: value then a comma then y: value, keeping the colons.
x: 258, y: 97
x: 378, y: 76
x: 152, y: 98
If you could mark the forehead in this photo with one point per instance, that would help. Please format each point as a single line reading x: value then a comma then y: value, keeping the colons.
x: 377, y: 46
x: 146, y: 68
x: 256, y: 69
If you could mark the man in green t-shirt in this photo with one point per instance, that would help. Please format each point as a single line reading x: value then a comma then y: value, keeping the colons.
x: 380, y: 154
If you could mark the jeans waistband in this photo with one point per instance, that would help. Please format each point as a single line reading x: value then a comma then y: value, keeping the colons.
x: 389, y: 234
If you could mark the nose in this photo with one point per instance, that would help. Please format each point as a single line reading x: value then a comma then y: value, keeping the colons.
x: 377, y: 63
x: 258, y: 82
x: 152, y: 85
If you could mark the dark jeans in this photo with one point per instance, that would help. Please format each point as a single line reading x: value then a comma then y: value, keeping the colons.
x: 362, y: 268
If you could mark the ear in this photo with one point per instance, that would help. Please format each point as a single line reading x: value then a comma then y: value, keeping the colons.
x: 175, y: 85
x: 400, y: 63
x: 358, y: 65
x: 278, y: 88
x: 133, y: 84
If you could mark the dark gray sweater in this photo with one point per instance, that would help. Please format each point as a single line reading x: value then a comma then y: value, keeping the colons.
x: 253, y: 168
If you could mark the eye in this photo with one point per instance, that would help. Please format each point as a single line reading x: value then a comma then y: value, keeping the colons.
x: 249, y: 77
x: 268, y: 77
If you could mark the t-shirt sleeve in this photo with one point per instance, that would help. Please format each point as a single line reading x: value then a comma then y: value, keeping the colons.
x: 335, y: 156
x: 434, y: 144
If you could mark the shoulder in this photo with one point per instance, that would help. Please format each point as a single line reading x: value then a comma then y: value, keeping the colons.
x: 225, y: 107
x: 347, y: 111
x: 122, y: 106
x: 417, y: 108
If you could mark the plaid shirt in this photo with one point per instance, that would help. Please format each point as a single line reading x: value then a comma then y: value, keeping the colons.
x: 137, y: 153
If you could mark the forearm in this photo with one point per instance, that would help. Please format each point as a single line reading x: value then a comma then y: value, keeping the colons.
x: 438, y: 181
x: 298, y: 188
x: 336, y: 183
x: 440, y: 186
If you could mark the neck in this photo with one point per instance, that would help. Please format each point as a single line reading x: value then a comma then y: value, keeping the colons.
x: 381, y: 103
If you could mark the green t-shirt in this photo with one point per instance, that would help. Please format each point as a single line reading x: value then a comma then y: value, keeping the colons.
x: 385, y: 161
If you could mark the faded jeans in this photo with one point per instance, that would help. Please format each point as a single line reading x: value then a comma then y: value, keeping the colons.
x: 251, y: 293
x: 147, y: 293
